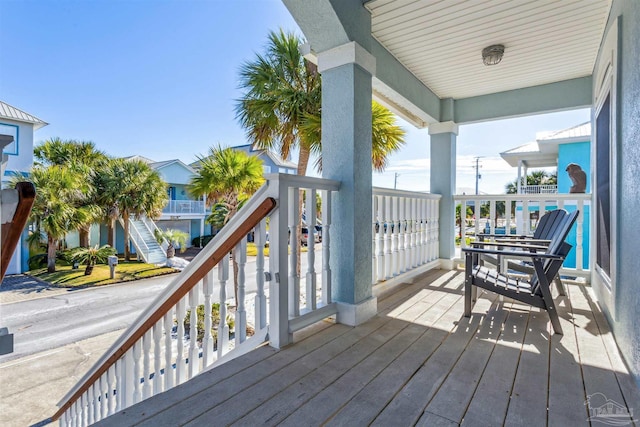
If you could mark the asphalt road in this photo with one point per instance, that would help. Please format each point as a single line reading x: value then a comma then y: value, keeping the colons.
x: 47, y: 323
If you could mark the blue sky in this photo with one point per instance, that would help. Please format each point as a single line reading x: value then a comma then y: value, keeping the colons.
x: 159, y: 79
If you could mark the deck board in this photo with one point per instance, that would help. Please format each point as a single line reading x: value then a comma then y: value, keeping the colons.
x: 418, y: 362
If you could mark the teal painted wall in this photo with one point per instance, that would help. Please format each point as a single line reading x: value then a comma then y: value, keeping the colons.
x: 579, y: 153
x: 175, y: 173
x: 180, y: 193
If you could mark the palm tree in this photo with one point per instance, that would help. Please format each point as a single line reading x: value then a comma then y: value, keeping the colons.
x: 83, y: 158
x: 281, y: 106
x: 174, y: 238
x: 227, y: 178
x: 54, y: 209
x: 92, y: 256
x: 130, y: 188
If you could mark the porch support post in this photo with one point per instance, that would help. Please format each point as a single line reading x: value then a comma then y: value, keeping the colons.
x: 443, y: 181
x: 519, y: 182
x: 346, y: 153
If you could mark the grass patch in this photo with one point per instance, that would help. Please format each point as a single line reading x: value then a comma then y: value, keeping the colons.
x: 125, y: 272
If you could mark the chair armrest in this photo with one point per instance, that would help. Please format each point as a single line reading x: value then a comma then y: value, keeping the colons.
x: 526, y: 241
x: 511, y: 254
x: 511, y: 245
x: 505, y: 236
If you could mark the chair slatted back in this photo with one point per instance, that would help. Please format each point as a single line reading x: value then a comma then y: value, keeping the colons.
x: 558, y: 246
x: 549, y: 223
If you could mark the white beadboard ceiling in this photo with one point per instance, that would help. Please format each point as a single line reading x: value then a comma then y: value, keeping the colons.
x: 440, y: 41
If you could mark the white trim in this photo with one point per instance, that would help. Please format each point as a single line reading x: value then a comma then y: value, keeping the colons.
x: 605, y: 84
x: 443, y: 127
x: 356, y: 314
x: 348, y: 53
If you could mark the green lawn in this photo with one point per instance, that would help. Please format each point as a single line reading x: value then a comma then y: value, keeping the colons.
x: 125, y: 272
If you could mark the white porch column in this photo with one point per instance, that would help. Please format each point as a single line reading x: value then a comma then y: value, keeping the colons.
x: 346, y: 152
x: 443, y: 181
x: 519, y: 182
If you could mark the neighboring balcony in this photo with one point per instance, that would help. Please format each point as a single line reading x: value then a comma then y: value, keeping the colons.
x: 539, y: 189
x: 184, y: 207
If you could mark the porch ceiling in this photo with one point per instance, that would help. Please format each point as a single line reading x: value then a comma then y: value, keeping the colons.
x: 440, y: 42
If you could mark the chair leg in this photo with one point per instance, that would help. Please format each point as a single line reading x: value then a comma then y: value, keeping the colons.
x: 468, y: 286
x: 545, y: 289
x: 559, y: 285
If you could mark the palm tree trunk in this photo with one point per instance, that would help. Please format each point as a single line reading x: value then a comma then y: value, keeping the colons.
x: 83, y: 233
x: 110, y: 227
x: 51, y: 254
x: 127, y: 252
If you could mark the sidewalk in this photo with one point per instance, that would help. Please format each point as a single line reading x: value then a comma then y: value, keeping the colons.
x: 20, y: 287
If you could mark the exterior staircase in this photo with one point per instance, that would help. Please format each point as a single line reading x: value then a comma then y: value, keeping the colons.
x: 143, y: 239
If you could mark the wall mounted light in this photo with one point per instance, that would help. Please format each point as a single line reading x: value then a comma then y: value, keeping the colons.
x: 492, y: 55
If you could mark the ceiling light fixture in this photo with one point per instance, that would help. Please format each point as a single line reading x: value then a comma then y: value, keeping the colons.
x: 492, y: 55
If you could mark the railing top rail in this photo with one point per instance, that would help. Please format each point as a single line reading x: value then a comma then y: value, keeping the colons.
x: 238, y: 227
x: 528, y: 197
x: 304, y: 181
x: 379, y: 191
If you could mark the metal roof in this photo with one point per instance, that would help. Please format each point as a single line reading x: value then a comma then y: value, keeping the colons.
x: 12, y: 113
x: 440, y: 42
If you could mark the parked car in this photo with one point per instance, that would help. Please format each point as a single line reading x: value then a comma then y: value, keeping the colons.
x: 304, y: 236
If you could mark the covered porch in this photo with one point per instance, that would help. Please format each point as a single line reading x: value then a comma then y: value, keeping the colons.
x: 423, y: 60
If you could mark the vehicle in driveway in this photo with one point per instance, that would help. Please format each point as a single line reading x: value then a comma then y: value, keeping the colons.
x: 304, y: 236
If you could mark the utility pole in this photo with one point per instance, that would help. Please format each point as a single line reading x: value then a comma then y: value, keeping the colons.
x: 477, y: 167
x: 395, y: 180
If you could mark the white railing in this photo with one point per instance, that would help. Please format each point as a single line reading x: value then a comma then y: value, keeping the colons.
x: 142, y: 249
x: 157, y: 352
x: 153, y: 228
x: 539, y: 189
x: 405, y: 231
x: 184, y: 207
x: 506, y: 215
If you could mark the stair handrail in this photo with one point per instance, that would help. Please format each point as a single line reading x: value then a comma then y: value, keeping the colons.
x: 256, y: 209
x: 137, y: 240
x: 153, y: 228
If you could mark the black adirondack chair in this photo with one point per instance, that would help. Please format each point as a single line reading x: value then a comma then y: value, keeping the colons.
x: 546, y: 261
x: 544, y: 232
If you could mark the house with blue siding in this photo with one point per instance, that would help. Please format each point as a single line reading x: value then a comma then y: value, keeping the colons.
x: 271, y: 162
x: 569, y: 150
x: 20, y: 126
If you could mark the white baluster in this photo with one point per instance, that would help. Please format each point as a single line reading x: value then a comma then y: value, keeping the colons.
x: 104, y: 395
x: 223, y: 328
x: 88, y: 407
x: 137, y: 372
x: 420, y: 221
x: 294, y: 277
x: 381, y: 232
x: 402, y: 224
x: 241, y: 312
x: 66, y: 419
x: 311, y: 249
x: 194, y: 360
x: 180, y: 362
x: 579, y: 235
x: 374, y: 253
x: 169, y: 372
x: 157, y: 357
x: 207, y: 340
x: 560, y: 203
x: 129, y: 379
x: 388, y: 251
x: 526, y: 217
x: 408, y: 233
x: 492, y: 216
x: 146, y: 366
x: 507, y: 214
x: 395, y: 268
x: 261, y: 300
x: 79, y: 412
x: 95, y: 388
x: 414, y: 233
x: 111, y: 380
x: 326, y: 247
x: 476, y: 214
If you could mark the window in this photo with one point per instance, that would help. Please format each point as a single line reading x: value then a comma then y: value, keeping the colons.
x: 6, y: 129
x: 266, y: 169
x: 603, y: 182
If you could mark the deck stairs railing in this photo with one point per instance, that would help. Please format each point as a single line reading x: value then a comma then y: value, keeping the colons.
x: 144, y: 241
x: 157, y: 352
x: 519, y: 213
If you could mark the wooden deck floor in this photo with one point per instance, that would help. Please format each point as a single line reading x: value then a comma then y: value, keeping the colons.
x: 419, y: 362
